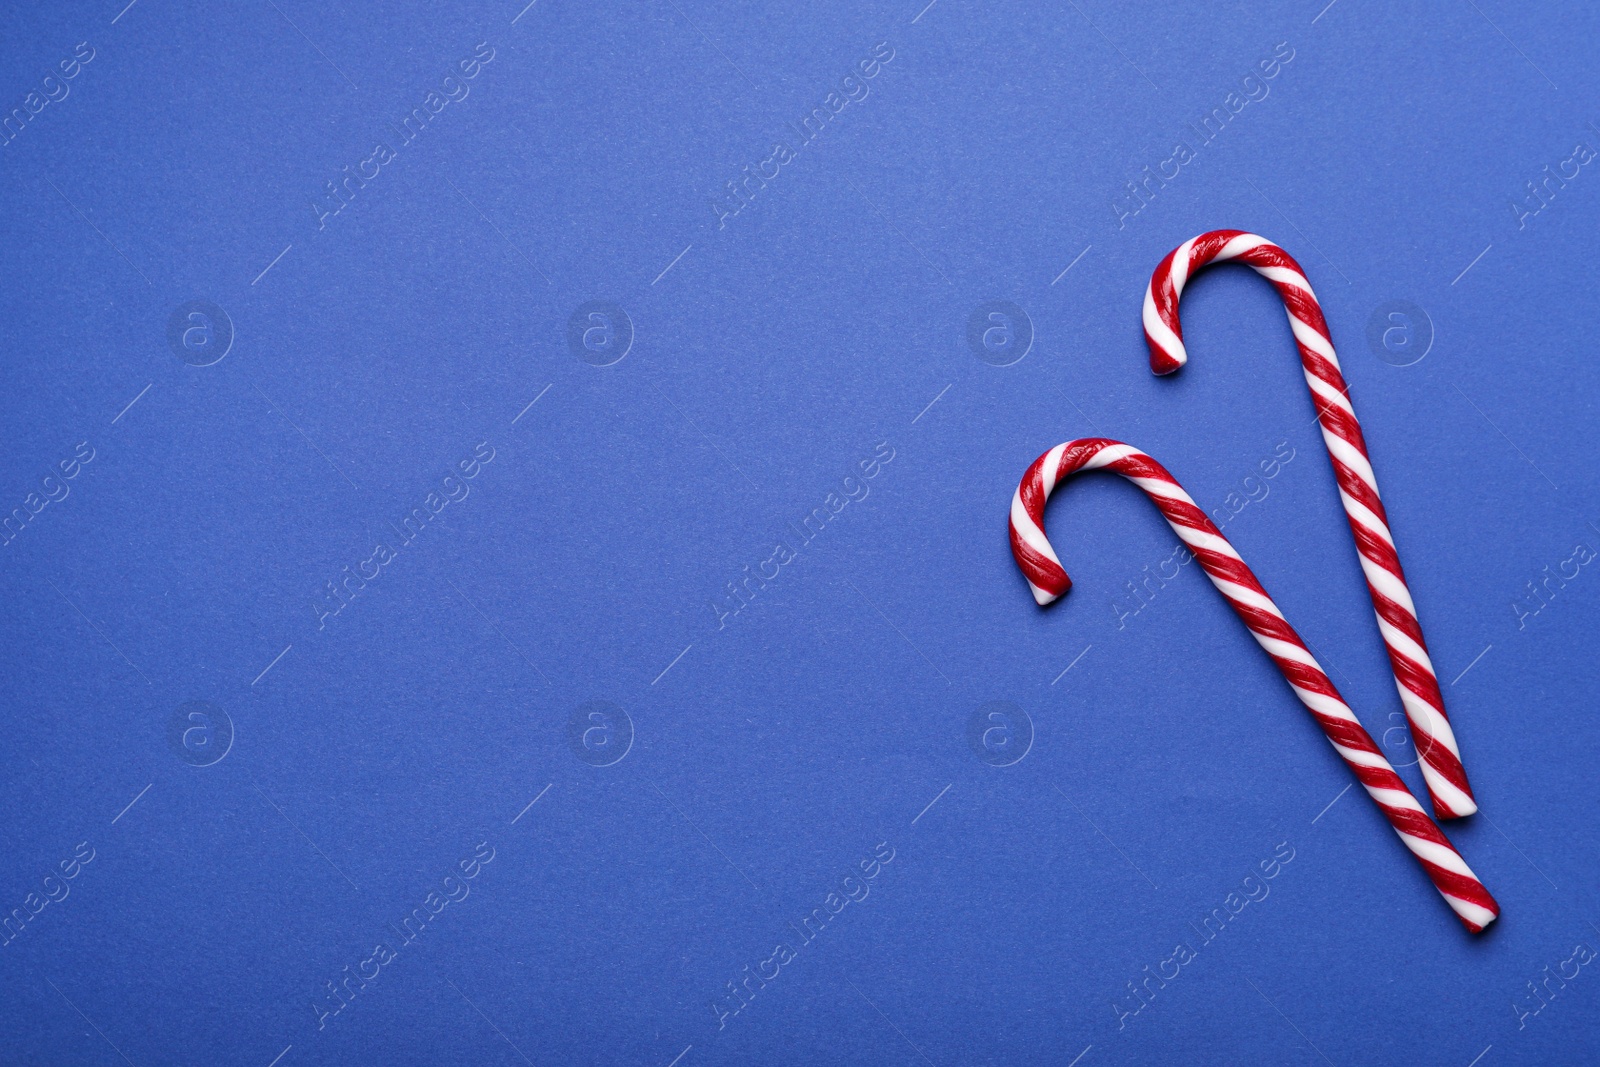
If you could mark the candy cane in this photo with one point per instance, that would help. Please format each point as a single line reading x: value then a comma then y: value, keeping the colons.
x: 1444, y: 866
x: 1358, y: 487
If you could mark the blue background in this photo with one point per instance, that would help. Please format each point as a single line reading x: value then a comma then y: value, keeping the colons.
x: 772, y: 754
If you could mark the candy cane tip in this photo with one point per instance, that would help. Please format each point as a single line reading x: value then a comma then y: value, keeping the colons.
x: 1475, y: 916
x: 1165, y: 361
x: 1462, y: 809
x: 1044, y: 597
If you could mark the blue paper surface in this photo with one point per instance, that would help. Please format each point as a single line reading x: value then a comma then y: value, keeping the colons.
x: 508, y: 562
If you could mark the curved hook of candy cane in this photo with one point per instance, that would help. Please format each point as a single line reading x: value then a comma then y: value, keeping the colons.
x: 1414, y: 675
x: 1461, y: 889
x: 1164, y: 332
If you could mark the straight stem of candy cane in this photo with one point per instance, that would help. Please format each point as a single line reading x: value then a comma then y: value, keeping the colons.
x: 1462, y: 890
x: 1358, y: 487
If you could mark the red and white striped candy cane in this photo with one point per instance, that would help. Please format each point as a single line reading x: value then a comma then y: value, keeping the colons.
x: 1444, y: 866
x: 1358, y: 487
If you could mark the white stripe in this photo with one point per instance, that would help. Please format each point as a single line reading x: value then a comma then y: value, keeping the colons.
x: 1180, y: 266
x: 1473, y: 913
x: 1160, y: 332
x: 1332, y: 707
x: 1162, y: 488
x: 1285, y: 650
x: 1425, y: 715
x: 1111, y: 454
x: 1028, y: 531
x: 1404, y: 645
x: 1238, y: 246
x: 1287, y: 276
x: 1394, y: 798
x: 1049, y: 468
x: 1445, y: 793
x: 1025, y: 527
x: 1363, y: 759
x: 1365, y: 516
x: 1426, y: 718
x: 1200, y: 539
x: 1390, y: 586
x: 1313, y: 339
x: 1249, y: 598
x: 1439, y: 855
x: 1329, y: 395
x: 1346, y: 453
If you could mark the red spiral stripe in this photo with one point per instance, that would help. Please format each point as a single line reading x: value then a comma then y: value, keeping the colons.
x: 1358, y: 487
x: 1444, y: 866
